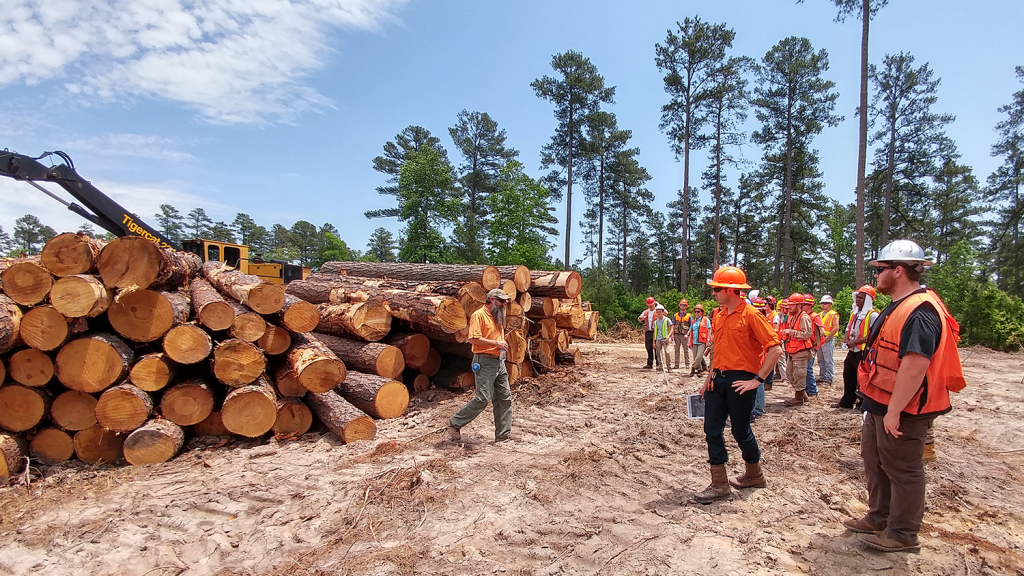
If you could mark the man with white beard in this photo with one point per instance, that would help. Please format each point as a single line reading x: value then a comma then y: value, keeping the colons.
x: 487, y: 337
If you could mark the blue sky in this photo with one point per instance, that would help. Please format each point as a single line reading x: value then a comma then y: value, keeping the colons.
x: 276, y: 108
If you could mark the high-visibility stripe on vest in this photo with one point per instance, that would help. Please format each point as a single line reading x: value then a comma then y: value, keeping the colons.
x: 703, y: 330
x: 876, y: 374
x: 661, y: 326
x: 830, y: 320
x: 865, y: 329
x: 792, y: 344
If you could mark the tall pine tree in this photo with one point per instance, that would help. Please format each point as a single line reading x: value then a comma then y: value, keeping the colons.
x: 1004, y: 189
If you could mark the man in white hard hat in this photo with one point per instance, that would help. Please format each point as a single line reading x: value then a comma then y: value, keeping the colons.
x: 663, y: 328
x: 826, y: 352
x: 905, y: 378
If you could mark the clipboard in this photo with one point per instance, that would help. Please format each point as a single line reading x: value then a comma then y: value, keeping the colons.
x: 694, y: 406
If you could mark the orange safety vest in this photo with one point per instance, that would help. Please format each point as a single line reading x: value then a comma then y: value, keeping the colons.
x: 865, y: 329
x: 792, y: 344
x: 817, y: 330
x: 770, y: 316
x: 876, y: 374
x: 703, y: 330
x: 683, y: 319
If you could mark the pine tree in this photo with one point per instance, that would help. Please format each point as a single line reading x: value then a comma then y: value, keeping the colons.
x: 425, y: 204
x: 410, y: 139
x: 629, y: 202
x: 30, y: 234
x: 602, y: 144
x: 381, y: 246
x: 954, y: 207
x: 197, y: 224
x: 1004, y: 189
x: 522, y: 219
x: 221, y: 232
x: 171, y: 223
x: 576, y: 94
x: 6, y: 242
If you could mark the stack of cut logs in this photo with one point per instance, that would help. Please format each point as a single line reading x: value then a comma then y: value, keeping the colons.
x: 123, y: 349
x: 424, y: 310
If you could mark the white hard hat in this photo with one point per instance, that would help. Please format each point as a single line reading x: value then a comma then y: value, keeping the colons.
x: 826, y: 299
x: 902, y: 251
x: 659, y: 307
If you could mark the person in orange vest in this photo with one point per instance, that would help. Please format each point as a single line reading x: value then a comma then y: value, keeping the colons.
x: 700, y: 335
x: 812, y: 384
x: 826, y: 352
x: 798, y: 334
x: 862, y: 318
x: 748, y: 347
x: 682, y: 332
x: 905, y: 379
x: 647, y: 319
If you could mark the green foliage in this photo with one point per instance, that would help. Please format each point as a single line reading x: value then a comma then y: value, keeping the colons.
x: 221, y: 232
x: 381, y: 247
x: 6, y: 242
x: 521, y: 219
x: 334, y: 249
x: 425, y: 204
x: 410, y: 139
x: 171, y: 222
x: 196, y: 224
x: 30, y: 234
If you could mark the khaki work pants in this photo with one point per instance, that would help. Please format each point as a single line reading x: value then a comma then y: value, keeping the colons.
x: 680, y: 342
x: 796, y: 369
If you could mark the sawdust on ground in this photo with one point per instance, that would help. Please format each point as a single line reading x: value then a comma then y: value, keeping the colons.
x: 597, y: 483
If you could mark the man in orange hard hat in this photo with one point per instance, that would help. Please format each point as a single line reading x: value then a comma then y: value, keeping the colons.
x: 682, y: 332
x: 862, y: 318
x: 647, y: 318
x: 911, y: 366
x: 746, y: 350
x: 798, y: 333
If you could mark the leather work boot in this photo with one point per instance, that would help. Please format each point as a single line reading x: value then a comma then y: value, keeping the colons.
x: 799, y: 399
x: 752, y: 478
x: 929, y: 453
x: 882, y: 542
x: 454, y: 432
x: 719, y: 487
x: 861, y: 526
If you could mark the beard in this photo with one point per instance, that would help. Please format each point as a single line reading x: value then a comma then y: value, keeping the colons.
x: 498, y: 312
x: 886, y: 284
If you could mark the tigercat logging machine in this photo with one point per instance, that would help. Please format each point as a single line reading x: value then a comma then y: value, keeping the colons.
x: 98, y: 208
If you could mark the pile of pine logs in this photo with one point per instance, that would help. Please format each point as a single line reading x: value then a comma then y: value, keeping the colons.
x: 122, y: 349
x: 424, y: 310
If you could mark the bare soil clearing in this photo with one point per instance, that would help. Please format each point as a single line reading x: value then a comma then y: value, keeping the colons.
x: 598, y: 482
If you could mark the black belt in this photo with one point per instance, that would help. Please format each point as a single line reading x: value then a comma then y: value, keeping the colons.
x: 733, y: 375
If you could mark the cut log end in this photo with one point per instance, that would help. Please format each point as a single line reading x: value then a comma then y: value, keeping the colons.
x: 21, y: 407
x: 26, y: 282
x: 187, y: 344
x: 44, y: 328
x: 95, y: 445
x: 293, y: 417
x: 213, y: 425
x: 237, y: 363
x: 250, y: 410
x: 52, y: 446
x: 123, y: 408
x: 69, y: 253
x: 80, y: 296
x: 187, y: 403
x: 74, y: 410
x: 153, y: 372
x: 146, y: 315
x: 266, y: 298
x: 216, y: 315
x: 275, y: 340
x: 31, y: 367
x: 129, y: 262
x: 155, y: 442
x: 93, y: 363
x: 12, y: 452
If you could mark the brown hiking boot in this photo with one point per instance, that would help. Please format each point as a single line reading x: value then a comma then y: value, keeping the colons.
x: 719, y: 487
x: 861, y: 526
x: 752, y: 478
x: 454, y: 432
x: 799, y: 399
x: 929, y: 453
x: 882, y: 542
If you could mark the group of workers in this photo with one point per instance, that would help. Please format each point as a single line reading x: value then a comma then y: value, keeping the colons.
x: 901, y: 366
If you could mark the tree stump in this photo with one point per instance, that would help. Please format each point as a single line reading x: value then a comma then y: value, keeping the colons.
x: 123, y: 408
x: 12, y: 455
x: 155, y: 442
x: 237, y: 363
x: 74, y: 410
x: 31, y: 367
x: 10, y: 324
x: 361, y: 320
x: 22, y: 407
x: 187, y: 403
x: 26, y: 281
x: 69, y: 253
x: 92, y: 363
x: 153, y: 371
x: 52, y: 446
x: 81, y: 296
x: 293, y: 418
x: 250, y: 410
x: 95, y: 445
x: 212, y: 426
x: 370, y: 357
x: 262, y: 297
x: 375, y: 395
x: 314, y: 365
x: 414, y: 347
x: 275, y: 340
x: 211, y: 309
x: 132, y: 262
x: 346, y: 421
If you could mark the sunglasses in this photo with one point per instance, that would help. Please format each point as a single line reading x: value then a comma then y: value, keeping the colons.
x: 880, y: 269
x: 717, y: 290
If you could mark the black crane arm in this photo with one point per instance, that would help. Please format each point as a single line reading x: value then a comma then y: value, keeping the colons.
x: 98, y: 207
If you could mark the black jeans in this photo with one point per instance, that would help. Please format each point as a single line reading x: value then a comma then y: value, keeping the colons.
x: 649, y: 343
x: 853, y: 358
x: 724, y: 401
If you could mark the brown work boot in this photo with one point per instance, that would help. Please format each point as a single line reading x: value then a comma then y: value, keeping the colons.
x: 929, y: 453
x: 881, y: 541
x: 752, y: 478
x: 454, y: 432
x: 719, y: 487
x: 862, y: 526
x: 799, y: 399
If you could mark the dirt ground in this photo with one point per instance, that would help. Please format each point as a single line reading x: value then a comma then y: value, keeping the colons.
x: 597, y: 483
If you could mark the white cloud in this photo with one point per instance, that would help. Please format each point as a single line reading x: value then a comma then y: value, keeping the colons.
x: 232, y: 60
x: 132, y: 146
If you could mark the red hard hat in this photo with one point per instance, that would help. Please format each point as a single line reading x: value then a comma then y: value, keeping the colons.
x: 867, y: 289
x: 729, y: 277
x: 808, y: 299
x: 796, y: 298
x: 650, y: 300
x: 758, y: 302
x: 683, y: 302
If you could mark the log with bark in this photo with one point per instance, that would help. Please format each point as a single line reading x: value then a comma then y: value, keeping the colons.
x: 556, y: 284
x: 81, y: 296
x: 31, y: 367
x: 415, y: 381
x: 432, y: 364
x: 155, y: 442
x: 370, y: 357
x: 375, y: 395
x: 362, y: 320
x: 3, y: 371
x: 237, y: 363
x: 525, y: 301
x: 262, y: 297
x: 12, y: 454
x: 315, y: 366
x: 275, y: 340
x: 455, y: 379
x: 573, y: 357
x: 459, y: 337
x: 93, y: 362
x: 414, y: 347
x: 296, y: 315
x: 293, y: 418
x: 588, y: 330
x: 212, y: 426
x: 52, y: 446
x: 22, y: 407
x: 562, y: 340
x: 188, y: 402
x: 545, y: 328
x: 74, y: 410
x: 247, y: 326
x: 346, y: 421
x: 586, y: 306
x: 95, y: 444
x: 71, y: 253
x: 518, y: 323
x: 123, y: 408
x: 520, y: 275
x: 541, y: 307
x: 146, y: 315
x: 569, y: 316
x: 188, y: 343
x: 488, y: 276
x: 10, y: 324
x: 132, y: 262
x: 27, y: 281
x: 453, y: 349
x: 542, y: 354
x: 211, y: 309
x: 250, y: 410
x: 287, y: 384
x: 153, y: 371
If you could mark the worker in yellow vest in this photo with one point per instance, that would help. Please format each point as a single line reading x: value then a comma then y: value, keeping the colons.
x: 682, y: 332
x: 826, y: 351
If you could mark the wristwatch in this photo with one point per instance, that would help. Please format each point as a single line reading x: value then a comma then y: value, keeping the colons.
x: 758, y: 378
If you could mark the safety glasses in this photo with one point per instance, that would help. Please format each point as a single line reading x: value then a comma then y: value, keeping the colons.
x: 880, y: 269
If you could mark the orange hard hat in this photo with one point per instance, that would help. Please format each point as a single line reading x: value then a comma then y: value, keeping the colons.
x: 729, y: 277
x: 683, y: 302
x: 758, y: 302
x: 650, y: 300
x: 867, y: 289
x: 795, y: 298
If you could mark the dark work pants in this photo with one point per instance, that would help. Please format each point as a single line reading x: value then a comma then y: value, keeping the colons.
x: 895, y: 473
x: 721, y: 402
x: 853, y: 358
x: 649, y: 343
